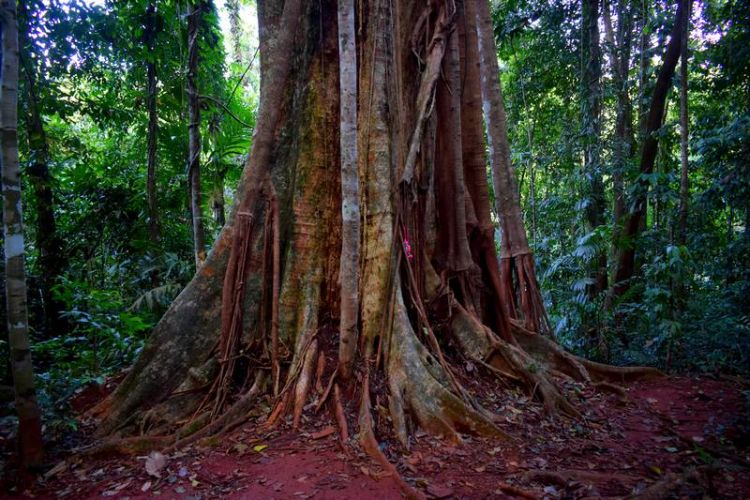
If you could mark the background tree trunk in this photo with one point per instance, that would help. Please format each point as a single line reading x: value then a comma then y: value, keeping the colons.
x: 684, y: 145
x: 194, y: 16
x: 153, y: 123
x: 591, y: 103
x: 515, y: 246
x: 29, y: 416
x: 626, y: 261
x: 235, y: 29
x: 624, y: 148
x: 52, y: 255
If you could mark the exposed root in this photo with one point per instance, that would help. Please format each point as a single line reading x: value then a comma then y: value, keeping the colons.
x: 564, y: 478
x: 479, y: 342
x: 130, y: 446
x: 304, y: 381
x: 516, y: 491
x: 580, y: 369
x: 338, y: 411
x: 419, y: 385
x: 370, y: 444
x: 667, y: 484
x: 238, y: 411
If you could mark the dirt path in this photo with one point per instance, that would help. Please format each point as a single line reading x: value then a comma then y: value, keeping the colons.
x: 685, y: 436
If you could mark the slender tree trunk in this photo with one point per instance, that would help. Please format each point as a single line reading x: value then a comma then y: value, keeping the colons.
x: 591, y: 117
x: 52, y: 257
x: 219, y: 204
x: 632, y: 229
x: 350, y: 213
x: 235, y: 29
x: 29, y: 416
x: 684, y: 147
x: 624, y: 148
x: 151, y: 200
x: 195, y: 15
x: 515, y: 246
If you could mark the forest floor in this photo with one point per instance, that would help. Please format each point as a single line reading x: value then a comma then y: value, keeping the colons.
x: 686, y: 437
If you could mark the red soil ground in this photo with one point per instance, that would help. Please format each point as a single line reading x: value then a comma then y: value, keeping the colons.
x: 679, y: 437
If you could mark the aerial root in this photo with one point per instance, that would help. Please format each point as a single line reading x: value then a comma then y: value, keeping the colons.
x: 338, y: 412
x: 303, y: 383
x: 370, y: 444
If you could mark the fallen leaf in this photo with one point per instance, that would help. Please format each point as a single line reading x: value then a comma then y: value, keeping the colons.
x: 155, y: 463
x: 671, y: 449
x: 146, y: 486
x: 260, y: 447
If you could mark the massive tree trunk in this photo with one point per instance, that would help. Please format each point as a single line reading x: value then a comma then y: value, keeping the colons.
x: 52, y: 259
x: 151, y: 200
x: 196, y: 8
x: 276, y: 311
x: 626, y: 260
x: 591, y: 104
x: 29, y: 416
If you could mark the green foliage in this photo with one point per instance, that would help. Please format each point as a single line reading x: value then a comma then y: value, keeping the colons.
x: 685, y: 308
x: 88, y: 62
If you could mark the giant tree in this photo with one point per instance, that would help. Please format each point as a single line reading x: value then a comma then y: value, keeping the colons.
x: 277, y: 310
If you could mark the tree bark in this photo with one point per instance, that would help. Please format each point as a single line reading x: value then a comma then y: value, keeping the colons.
x: 194, y: 16
x: 153, y: 121
x: 624, y: 148
x: 515, y: 247
x: 626, y: 260
x: 52, y: 255
x: 29, y: 416
x: 235, y: 29
x: 684, y: 144
x: 592, y: 128
x: 350, y: 212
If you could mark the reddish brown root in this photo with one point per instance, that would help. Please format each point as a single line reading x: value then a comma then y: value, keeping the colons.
x: 516, y: 491
x: 303, y: 383
x: 202, y: 426
x: 370, y: 444
x: 479, y: 342
x: 338, y: 411
x: 130, y: 446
